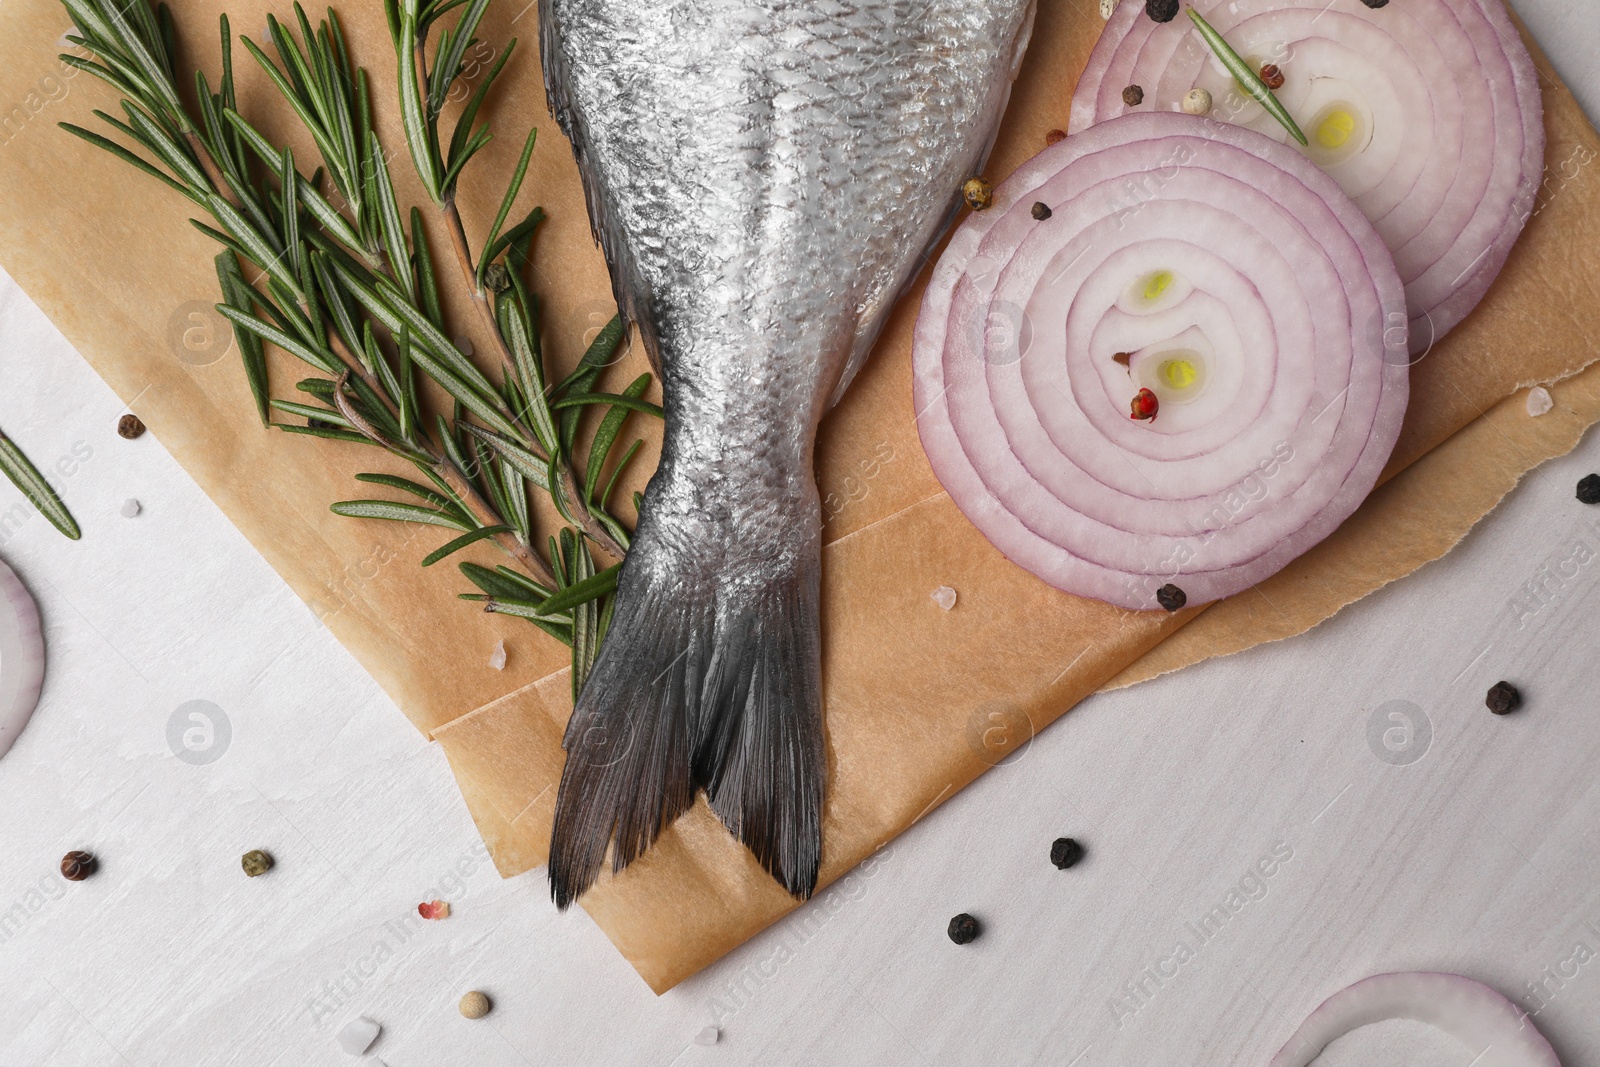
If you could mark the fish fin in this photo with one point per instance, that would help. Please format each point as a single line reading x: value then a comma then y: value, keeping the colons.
x: 760, y: 755
x: 626, y: 285
x: 699, y: 683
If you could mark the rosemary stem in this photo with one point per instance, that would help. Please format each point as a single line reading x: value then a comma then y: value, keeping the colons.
x: 569, y: 477
x: 460, y: 485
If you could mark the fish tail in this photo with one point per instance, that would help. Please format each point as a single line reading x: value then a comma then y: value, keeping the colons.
x: 704, y: 681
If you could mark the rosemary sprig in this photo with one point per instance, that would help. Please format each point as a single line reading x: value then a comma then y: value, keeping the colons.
x: 330, y: 269
x: 26, y: 477
x: 1245, y: 76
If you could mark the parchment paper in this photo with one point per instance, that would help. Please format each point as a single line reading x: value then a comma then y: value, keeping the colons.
x: 919, y: 701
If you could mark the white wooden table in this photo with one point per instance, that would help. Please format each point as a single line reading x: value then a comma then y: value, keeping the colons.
x: 1473, y: 849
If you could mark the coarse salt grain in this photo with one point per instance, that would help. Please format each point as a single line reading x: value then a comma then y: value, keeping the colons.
x: 497, y: 658
x: 944, y: 596
x: 708, y: 1036
x: 1539, y: 401
x: 131, y: 508
x: 358, y: 1035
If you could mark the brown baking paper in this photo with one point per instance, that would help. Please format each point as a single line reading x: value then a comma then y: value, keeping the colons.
x: 919, y: 701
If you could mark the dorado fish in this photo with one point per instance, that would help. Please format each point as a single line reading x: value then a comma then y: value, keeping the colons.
x: 764, y: 177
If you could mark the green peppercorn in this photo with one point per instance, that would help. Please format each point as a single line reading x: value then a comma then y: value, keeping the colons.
x: 256, y: 863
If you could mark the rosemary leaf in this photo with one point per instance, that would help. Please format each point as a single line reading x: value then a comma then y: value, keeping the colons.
x: 129, y: 158
x: 419, y: 133
x: 533, y: 467
x: 405, y: 485
x: 26, y: 477
x: 461, y: 542
x: 583, y: 590
x: 512, y: 189
x: 1245, y: 76
x: 632, y: 403
x: 447, y: 63
x: 392, y: 228
x: 330, y: 433
x: 611, y: 484
x: 606, y: 435
x: 397, y: 512
x: 469, y: 114
x: 275, y: 336
x: 253, y: 356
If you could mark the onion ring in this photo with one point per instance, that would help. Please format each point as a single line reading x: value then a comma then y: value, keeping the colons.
x: 1204, y: 262
x: 1427, y: 113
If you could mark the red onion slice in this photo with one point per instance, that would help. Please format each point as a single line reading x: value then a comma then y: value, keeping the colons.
x: 21, y: 657
x: 1427, y: 113
x: 1245, y: 290
x: 1492, y: 1029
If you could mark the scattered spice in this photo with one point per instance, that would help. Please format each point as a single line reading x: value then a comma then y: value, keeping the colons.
x: 1122, y: 358
x: 358, y: 1035
x: 321, y: 424
x: 1539, y: 401
x: 130, y: 427
x: 1144, y: 406
x: 944, y: 596
x: 979, y: 193
x: 497, y: 658
x: 256, y: 863
x: 434, y: 909
x: 475, y: 1005
x: 496, y: 278
x: 1055, y: 137
x: 1375, y: 4
x: 1161, y: 10
x: 1197, y: 102
x: 964, y: 929
x: 76, y: 865
x: 1271, y: 76
x: 1065, y: 852
x: 131, y: 508
x: 1041, y: 210
x: 1171, y: 597
x: 1107, y: 9
x: 1589, y: 489
x: 1133, y: 95
x: 1503, y: 698
x: 707, y: 1036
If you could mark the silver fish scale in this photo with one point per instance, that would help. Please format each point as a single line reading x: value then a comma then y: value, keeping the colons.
x: 774, y: 172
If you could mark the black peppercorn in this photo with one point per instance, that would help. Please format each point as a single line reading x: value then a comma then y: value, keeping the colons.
x: 1589, y: 489
x: 1375, y: 4
x: 130, y: 427
x: 963, y: 929
x: 1161, y: 10
x: 1041, y: 210
x: 321, y: 424
x: 76, y: 866
x: 1171, y: 597
x: 1503, y: 698
x: 1133, y: 95
x: 1065, y: 852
